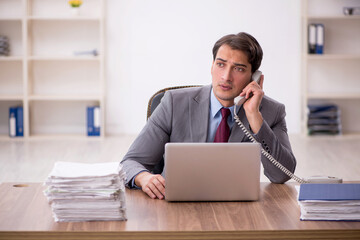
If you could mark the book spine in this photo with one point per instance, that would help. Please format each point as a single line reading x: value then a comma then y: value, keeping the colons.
x: 90, y: 121
x: 312, y: 38
x: 319, y: 38
x: 12, y: 122
x: 19, y: 122
x: 96, y: 121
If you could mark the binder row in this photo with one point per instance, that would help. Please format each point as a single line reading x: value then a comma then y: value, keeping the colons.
x: 16, y: 121
x: 324, y: 119
x: 316, y: 37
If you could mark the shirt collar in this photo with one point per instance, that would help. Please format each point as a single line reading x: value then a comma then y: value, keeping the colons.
x: 215, y: 105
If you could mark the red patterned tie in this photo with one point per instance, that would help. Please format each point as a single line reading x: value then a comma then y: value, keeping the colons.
x: 223, y: 131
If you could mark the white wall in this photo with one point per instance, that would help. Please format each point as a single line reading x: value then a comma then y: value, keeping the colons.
x: 160, y: 43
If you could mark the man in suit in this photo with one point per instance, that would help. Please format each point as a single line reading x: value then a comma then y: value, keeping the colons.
x: 194, y: 114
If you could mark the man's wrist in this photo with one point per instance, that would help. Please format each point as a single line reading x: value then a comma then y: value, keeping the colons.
x: 139, y: 177
x: 255, y: 120
x: 132, y: 184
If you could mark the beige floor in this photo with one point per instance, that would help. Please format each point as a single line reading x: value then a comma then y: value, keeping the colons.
x: 31, y: 161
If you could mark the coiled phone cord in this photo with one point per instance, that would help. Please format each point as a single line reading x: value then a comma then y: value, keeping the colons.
x: 266, y: 154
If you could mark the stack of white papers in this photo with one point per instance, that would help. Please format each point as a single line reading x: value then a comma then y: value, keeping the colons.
x: 336, y: 202
x: 326, y: 210
x: 86, y: 192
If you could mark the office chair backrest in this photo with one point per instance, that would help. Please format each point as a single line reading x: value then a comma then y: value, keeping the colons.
x: 153, y: 103
x: 156, y: 98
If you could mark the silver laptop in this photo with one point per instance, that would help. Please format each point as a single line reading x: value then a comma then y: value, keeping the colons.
x: 212, y: 171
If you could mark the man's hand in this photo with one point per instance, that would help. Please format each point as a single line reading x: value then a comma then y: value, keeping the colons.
x: 254, y: 93
x: 152, y: 185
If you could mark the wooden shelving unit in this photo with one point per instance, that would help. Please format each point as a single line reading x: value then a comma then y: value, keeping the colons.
x: 42, y: 73
x: 333, y: 77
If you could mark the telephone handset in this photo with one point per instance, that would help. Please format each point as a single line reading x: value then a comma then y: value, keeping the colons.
x: 255, y: 77
x: 238, y: 101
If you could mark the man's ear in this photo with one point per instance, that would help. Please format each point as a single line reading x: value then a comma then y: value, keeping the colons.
x: 212, y: 66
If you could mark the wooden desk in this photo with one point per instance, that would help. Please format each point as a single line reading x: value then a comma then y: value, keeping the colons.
x: 26, y: 214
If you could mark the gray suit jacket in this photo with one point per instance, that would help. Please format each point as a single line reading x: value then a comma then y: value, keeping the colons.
x: 183, y: 115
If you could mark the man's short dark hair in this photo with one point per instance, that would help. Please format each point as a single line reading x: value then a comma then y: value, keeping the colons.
x: 245, y: 43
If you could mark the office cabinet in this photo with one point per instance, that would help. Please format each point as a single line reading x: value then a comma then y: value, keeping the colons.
x: 55, y: 68
x: 333, y: 76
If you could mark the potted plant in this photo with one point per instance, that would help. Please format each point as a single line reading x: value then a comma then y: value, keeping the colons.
x: 75, y: 6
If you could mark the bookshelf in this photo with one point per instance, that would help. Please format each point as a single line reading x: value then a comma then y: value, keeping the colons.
x: 43, y: 75
x: 334, y: 76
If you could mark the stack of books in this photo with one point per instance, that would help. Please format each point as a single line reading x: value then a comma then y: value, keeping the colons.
x: 324, y: 119
x: 86, y: 192
x: 334, y: 202
x: 4, y: 46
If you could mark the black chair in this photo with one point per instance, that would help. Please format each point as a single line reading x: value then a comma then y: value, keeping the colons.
x: 156, y: 98
x: 153, y: 103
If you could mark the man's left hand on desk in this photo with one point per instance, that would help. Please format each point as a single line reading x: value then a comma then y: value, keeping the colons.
x: 152, y: 185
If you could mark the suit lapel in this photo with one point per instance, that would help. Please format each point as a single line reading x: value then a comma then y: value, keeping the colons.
x: 199, y: 118
x: 199, y: 114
